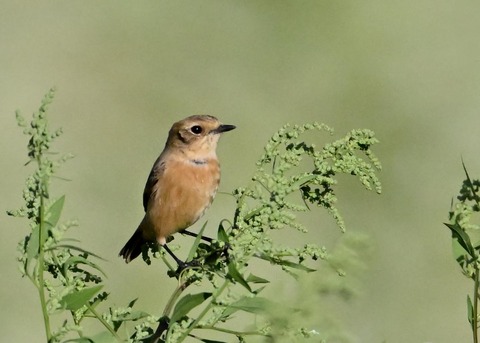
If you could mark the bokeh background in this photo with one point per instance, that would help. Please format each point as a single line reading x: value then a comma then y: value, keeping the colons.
x: 124, y: 71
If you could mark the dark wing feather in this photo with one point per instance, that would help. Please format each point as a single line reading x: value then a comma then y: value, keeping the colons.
x: 155, y: 173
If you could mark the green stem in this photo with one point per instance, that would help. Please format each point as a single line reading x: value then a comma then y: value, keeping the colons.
x: 41, y: 266
x: 169, y: 266
x: 232, y: 332
x: 94, y: 314
x: 204, y: 312
x: 104, y: 322
x: 475, y: 306
x: 163, y: 325
x: 176, y: 294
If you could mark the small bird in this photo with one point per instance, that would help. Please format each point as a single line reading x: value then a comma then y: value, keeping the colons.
x: 182, y: 183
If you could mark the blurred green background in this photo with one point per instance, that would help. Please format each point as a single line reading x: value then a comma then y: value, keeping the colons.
x: 125, y: 71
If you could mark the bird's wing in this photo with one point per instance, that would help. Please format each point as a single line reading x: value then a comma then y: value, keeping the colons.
x: 155, y: 174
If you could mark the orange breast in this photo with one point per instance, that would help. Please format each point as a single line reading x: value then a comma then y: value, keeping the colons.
x: 182, y: 194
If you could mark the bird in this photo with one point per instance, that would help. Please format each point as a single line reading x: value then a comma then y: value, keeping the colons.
x: 181, y: 185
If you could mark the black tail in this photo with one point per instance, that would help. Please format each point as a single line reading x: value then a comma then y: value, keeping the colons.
x: 133, y: 248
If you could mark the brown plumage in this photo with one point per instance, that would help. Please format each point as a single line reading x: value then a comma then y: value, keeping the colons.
x: 182, y: 183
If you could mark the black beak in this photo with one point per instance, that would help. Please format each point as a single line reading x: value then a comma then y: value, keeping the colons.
x: 224, y: 128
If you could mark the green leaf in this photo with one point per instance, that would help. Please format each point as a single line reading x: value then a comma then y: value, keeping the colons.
x: 134, y: 316
x: 43, y: 235
x: 235, y: 275
x: 54, y: 212
x: 470, y: 183
x: 227, y: 313
x: 196, y: 242
x: 462, y: 237
x: 471, y: 318
x: 187, y: 303
x: 32, y: 247
x: 102, y: 337
x: 80, y: 340
x: 285, y: 263
x: 257, y: 305
x: 132, y: 303
x: 74, y: 260
x: 77, y: 299
x: 98, y: 299
x: 211, y: 341
x: 222, y: 234
x: 256, y: 279
x: 257, y: 291
x: 304, y: 179
x: 73, y: 247
x: 459, y: 253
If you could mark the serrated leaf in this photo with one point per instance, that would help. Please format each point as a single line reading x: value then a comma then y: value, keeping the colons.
x: 101, y: 297
x: 462, y: 237
x: 187, y: 303
x: 196, y: 242
x: 77, y: 299
x: 235, y: 275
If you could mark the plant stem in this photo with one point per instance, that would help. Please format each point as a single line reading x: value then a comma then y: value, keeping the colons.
x: 204, y: 312
x: 232, y: 332
x: 41, y: 265
x: 104, y: 322
x: 475, y: 306
x: 180, y: 288
x: 169, y: 266
x: 164, y: 321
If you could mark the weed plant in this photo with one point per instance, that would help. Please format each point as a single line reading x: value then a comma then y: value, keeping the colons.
x: 291, y: 176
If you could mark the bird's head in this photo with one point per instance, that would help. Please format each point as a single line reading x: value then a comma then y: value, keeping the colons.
x: 197, y: 135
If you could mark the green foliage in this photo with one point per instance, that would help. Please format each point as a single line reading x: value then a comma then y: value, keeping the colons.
x: 291, y: 175
x: 66, y: 278
x: 269, y: 203
x: 463, y: 224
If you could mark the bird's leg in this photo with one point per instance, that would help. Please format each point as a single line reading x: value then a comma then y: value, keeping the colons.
x: 170, y: 252
x: 193, y: 234
x: 181, y: 264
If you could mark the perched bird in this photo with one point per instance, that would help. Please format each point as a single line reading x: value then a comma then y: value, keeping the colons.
x: 182, y: 183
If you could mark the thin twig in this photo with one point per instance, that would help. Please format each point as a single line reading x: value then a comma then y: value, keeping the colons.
x: 475, y: 307
x: 41, y: 264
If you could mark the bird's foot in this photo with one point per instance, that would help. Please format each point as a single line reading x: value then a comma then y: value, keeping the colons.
x: 184, y: 265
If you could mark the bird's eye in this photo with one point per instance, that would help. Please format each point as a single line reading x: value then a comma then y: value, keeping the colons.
x: 196, y: 129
